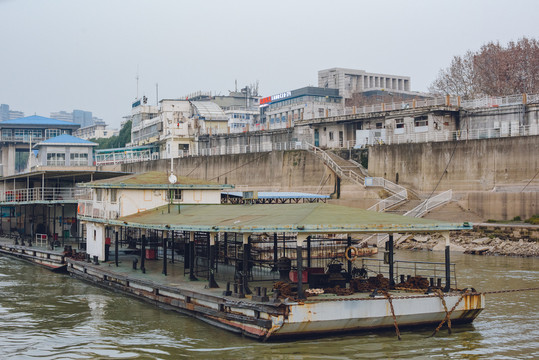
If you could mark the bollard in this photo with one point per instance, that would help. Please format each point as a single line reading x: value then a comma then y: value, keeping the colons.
x: 402, y: 278
x: 431, y: 282
x: 96, y: 260
x: 439, y: 282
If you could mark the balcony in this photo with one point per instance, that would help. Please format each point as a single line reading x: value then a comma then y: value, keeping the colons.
x: 42, y: 195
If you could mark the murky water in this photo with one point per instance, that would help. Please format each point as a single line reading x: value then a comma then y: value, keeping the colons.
x: 50, y: 316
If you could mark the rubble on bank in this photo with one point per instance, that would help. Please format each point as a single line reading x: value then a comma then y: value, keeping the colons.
x: 479, y: 241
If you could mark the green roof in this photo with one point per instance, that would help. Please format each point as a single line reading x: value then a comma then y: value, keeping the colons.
x: 154, y: 180
x: 307, y: 218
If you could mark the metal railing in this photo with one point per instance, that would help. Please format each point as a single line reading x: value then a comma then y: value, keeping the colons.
x: 425, y: 269
x: 98, y: 209
x: 41, y: 194
x: 349, y: 174
x: 253, y: 148
x: 430, y: 204
x: 400, y: 194
x: 128, y: 156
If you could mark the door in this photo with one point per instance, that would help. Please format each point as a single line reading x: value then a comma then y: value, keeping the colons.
x: 316, y: 138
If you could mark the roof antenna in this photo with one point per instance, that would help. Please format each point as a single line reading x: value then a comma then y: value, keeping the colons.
x: 136, y: 77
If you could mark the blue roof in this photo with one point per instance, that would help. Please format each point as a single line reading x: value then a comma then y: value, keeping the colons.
x: 281, y: 195
x: 67, y: 139
x: 36, y: 120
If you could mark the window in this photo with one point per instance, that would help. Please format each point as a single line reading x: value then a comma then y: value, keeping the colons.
x: 50, y: 133
x: 399, y: 123
x: 421, y: 120
x: 98, y: 195
x: 78, y: 159
x: 113, y: 195
x: 379, y: 125
x: 331, y: 136
x: 56, y: 159
x: 176, y: 194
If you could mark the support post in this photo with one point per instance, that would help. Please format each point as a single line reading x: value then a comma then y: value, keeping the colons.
x: 143, y: 253
x: 299, y: 260
x: 211, y: 262
x: 246, y: 260
x: 165, y: 259
x: 116, y: 245
x: 308, y: 251
x: 275, y: 252
x: 192, y: 256
x: 173, y: 247
x: 391, y: 264
x: 447, y: 263
x: 225, y: 249
x: 349, y: 263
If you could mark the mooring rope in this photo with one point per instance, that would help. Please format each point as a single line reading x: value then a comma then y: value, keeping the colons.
x: 388, y: 297
x: 441, y: 296
x: 447, y: 315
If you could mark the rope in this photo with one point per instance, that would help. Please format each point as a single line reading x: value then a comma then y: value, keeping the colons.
x: 441, y: 296
x: 388, y: 296
x: 447, y: 315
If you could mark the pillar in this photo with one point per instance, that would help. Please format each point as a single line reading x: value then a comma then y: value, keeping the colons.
x: 299, y: 254
x: 165, y: 258
x: 391, y: 262
x: 211, y: 262
x: 246, y: 259
x: 225, y: 249
x: 275, y: 253
x: 172, y: 245
x: 308, y: 252
x: 116, y: 245
x: 349, y: 263
x: 143, y: 252
x: 192, y: 256
x: 447, y: 263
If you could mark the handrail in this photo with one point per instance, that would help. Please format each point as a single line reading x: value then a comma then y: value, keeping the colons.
x: 431, y: 203
x: 42, y: 194
x: 352, y: 175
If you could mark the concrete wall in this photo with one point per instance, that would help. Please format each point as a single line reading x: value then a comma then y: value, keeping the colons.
x: 503, y: 206
x: 476, y: 165
x: 270, y: 171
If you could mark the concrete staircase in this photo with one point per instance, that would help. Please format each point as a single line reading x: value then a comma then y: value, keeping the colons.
x: 341, y: 167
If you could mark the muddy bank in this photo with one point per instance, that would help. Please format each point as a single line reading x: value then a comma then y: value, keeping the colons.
x: 482, y: 240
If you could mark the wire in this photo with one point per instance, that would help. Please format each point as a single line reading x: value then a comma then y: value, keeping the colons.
x: 530, y: 181
x: 442, y: 175
x: 236, y: 168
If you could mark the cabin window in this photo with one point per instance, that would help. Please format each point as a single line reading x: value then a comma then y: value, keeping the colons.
x: 56, y: 159
x: 421, y: 121
x: 113, y: 195
x: 176, y: 194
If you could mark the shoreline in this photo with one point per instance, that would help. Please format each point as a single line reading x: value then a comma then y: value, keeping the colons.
x: 485, y: 239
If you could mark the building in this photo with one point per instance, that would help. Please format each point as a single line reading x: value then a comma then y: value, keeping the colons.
x: 19, y: 135
x: 131, y: 194
x: 81, y: 117
x: 7, y: 114
x: 284, y: 109
x: 241, y: 107
x: 64, y: 151
x: 95, y: 131
x: 350, y: 81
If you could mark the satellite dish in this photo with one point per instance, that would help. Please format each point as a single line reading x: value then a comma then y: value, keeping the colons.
x: 172, y: 179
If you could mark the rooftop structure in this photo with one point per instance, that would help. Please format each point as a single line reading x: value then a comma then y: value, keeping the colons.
x: 350, y: 81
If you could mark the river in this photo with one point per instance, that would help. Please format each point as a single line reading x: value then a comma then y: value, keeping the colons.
x: 44, y: 315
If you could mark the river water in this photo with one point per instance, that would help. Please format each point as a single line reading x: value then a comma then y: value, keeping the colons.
x: 52, y: 316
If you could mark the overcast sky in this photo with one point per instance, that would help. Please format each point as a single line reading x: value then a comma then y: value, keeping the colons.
x: 71, y: 54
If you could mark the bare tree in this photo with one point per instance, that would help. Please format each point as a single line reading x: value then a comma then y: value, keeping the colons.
x: 493, y: 70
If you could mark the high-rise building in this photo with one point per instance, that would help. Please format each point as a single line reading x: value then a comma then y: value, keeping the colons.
x: 7, y: 114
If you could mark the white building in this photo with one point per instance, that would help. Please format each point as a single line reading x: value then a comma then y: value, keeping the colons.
x: 126, y: 195
x: 96, y: 131
x: 350, y: 81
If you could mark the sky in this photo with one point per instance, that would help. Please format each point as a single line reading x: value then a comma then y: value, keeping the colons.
x: 72, y: 54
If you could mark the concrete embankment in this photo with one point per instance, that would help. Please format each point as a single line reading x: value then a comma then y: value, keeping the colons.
x: 484, y: 239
